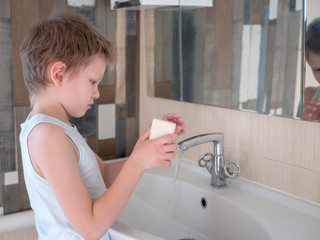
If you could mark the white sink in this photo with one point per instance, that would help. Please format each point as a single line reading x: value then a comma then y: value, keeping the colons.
x: 244, y: 210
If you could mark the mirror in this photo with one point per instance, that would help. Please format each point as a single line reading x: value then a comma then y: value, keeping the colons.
x: 239, y: 54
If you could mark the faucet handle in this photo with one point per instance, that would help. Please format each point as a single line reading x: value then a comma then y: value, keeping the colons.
x: 205, y: 162
x: 229, y: 169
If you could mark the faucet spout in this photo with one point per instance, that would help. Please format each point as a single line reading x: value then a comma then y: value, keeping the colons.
x: 216, y: 138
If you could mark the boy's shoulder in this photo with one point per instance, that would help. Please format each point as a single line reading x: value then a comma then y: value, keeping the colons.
x: 44, y: 132
x: 50, y: 139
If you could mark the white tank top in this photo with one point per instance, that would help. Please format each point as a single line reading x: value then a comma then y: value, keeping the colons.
x: 316, y: 95
x: 51, y: 222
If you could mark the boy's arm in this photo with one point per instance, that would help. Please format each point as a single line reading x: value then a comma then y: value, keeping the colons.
x: 54, y: 153
x: 109, y: 171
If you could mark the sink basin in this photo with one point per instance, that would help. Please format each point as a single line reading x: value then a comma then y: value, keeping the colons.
x: 189, y: 208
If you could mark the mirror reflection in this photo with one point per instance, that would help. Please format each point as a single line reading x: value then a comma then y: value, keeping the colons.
x: 239, y: 54
x: 311, y: 107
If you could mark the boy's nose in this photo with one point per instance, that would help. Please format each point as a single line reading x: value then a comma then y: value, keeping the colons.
x: 96, y: 93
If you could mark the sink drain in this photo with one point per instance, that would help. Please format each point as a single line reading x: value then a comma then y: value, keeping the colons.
x: 204, y: 202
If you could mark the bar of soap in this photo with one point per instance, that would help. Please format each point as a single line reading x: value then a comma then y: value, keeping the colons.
x: 160, y: 128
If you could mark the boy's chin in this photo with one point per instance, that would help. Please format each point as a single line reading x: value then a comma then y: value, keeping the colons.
x: 79, y: 115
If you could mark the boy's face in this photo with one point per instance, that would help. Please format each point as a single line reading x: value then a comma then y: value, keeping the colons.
x: 81, y: 87
x: 314, y: 62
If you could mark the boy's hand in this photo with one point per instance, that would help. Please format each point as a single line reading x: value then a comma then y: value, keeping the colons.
x: 311, y: 111
x: 180, y: 125
x: 149, y: 154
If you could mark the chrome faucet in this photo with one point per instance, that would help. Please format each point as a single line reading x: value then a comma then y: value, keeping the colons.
x: 214, y: 163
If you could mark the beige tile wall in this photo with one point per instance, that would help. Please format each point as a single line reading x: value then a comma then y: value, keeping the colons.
x: 277, y: 152
x: 21, y: 234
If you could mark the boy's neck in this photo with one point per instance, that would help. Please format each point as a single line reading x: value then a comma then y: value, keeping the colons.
x: 42, y: 103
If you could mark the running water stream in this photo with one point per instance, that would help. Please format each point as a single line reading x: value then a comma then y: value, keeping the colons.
x: 173, y: 227
x: 176, y: 171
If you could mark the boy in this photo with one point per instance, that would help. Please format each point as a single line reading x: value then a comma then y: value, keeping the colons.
x: 63, y: 60
x: 311, y: 108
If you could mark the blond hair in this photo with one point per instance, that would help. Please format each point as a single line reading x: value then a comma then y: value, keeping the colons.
x: 68, y: 37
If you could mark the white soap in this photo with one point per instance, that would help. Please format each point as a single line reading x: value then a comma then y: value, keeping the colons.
x: 160, y: 128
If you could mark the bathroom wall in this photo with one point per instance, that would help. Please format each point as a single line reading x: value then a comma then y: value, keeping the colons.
x: 280, y: 153
x: 110, y: 128
x: 29, y: 233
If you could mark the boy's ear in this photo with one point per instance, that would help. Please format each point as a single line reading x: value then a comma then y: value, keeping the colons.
x: 57, y: 71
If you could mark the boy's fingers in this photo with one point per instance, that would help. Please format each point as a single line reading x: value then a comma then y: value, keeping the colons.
x: 144, y: 136
x: 168, y: 138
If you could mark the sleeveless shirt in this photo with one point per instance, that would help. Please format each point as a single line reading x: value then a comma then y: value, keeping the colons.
x: 51, y: 222
x: 316, y: 95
